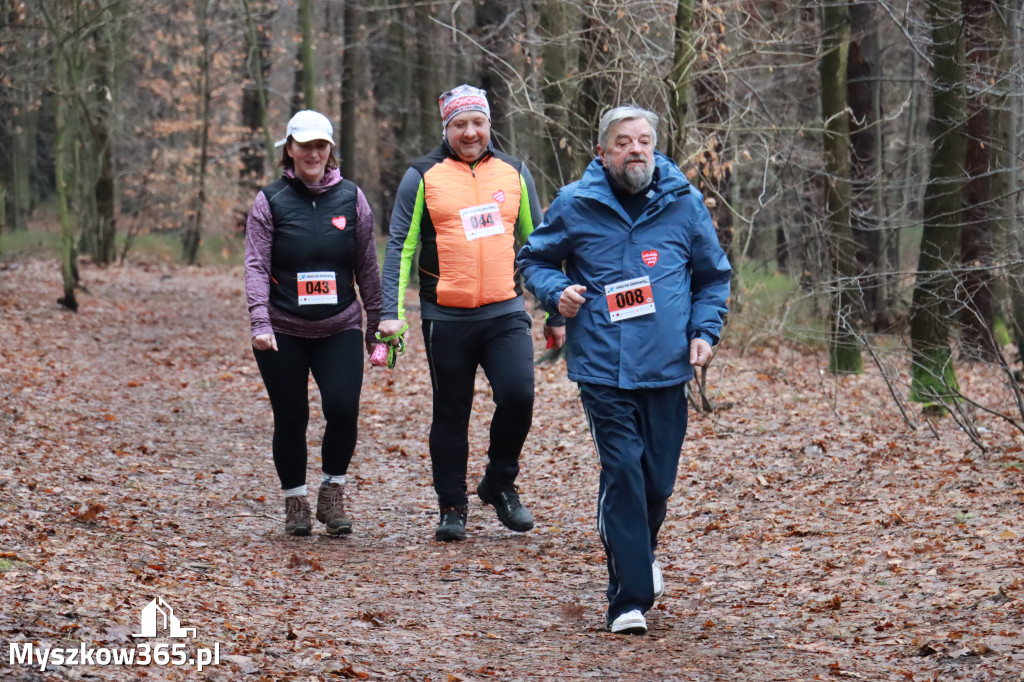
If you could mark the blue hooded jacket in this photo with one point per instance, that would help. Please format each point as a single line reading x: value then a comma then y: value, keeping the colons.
x: 673, y: 243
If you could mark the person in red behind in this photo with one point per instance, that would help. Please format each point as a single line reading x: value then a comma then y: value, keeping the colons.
x: 308, y: 244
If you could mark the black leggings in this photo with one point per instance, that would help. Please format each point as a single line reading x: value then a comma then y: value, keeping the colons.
x: 337, y: 366
x: 503, y: 346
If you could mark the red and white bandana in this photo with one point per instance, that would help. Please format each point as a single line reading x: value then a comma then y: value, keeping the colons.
x: 461, y: 99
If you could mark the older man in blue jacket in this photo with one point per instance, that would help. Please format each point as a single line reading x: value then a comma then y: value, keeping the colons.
x: 630, y: 256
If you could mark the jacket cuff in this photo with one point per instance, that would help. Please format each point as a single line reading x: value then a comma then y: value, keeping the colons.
x: 707, y: 336
x: 554, y: 320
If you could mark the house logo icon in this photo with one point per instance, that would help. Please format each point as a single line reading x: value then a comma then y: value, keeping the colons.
x: 158, y: 614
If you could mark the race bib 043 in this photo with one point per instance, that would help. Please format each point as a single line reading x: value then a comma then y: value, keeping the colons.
x: 318, y: 288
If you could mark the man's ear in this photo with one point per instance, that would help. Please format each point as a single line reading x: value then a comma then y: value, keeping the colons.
x: 600, y: 153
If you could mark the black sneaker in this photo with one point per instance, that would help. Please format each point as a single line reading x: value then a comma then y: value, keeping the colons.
x: 505, y: 498
x: 452, y: 525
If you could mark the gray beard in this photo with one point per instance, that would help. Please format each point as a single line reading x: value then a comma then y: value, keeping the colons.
x: 631, y: 178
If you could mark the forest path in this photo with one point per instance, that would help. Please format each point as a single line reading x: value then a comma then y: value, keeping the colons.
x: 812, y: 535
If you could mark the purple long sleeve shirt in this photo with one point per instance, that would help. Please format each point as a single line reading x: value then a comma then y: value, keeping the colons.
x: 267, y: 318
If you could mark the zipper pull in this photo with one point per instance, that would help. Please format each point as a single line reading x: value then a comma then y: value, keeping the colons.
x: 314, y: 205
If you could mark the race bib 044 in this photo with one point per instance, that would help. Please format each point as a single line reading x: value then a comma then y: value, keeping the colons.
x: 481, y: 221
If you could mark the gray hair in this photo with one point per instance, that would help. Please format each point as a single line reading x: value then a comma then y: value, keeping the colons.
x: 617, y: 115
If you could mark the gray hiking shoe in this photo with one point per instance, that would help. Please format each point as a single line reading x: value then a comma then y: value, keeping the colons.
x: 296, y: 520
x: 330, y: 509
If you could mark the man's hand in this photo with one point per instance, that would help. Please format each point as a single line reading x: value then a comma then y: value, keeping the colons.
x: 571, y: 299
x: 390, y: 327
x: 700, y: 352
x: 555, y: 336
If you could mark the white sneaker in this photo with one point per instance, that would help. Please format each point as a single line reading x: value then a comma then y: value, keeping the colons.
x: 630, y: 623
x: 659, y: 581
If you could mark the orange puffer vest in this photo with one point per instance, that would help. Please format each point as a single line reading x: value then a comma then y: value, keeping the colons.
x: 461, y: 269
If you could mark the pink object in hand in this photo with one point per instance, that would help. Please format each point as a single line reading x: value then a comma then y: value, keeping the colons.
x: 380, y: 355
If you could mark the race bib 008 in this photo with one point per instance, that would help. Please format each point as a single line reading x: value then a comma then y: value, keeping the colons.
x: 628, y: 299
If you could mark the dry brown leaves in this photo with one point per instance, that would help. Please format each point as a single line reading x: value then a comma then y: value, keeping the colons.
x: 134, y: 463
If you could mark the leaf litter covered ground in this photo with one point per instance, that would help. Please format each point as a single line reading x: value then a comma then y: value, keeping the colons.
x: 812, y: 535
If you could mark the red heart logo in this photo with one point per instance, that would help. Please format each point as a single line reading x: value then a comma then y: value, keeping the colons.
x: 650, y: 257
x: 499, y: 196
x: 338, y: 222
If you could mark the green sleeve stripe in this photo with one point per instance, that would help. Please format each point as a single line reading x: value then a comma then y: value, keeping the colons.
x: 525, y: 215
x: 409, y: 249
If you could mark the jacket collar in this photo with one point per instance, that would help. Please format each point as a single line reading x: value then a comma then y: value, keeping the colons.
x: 332, y: 176
x: 668, y: 183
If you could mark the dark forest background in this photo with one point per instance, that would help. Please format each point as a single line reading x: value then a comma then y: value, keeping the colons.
x: 861, y: 159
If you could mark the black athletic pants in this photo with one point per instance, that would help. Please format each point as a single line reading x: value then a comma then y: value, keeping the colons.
x: 503, y: 347
x: 337, y: 366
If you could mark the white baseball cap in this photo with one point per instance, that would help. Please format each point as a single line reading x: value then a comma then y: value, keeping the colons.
x: 307, y: 126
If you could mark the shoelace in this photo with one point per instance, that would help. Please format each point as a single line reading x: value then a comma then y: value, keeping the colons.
x: 295, y: 506
x: 394, y: 351
x: 511, y: 497
x: 336, y: 497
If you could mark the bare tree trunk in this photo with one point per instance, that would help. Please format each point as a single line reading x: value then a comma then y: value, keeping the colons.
x: 595, y: 87
x: 1006, y: 188
x: 256, y: 158
x: 23, y: 163
x: 406, y: 66
x: 844, y: 349
x: 863, y: 78
x: 679, y: 79
x: 714, y: 168
x: 307, y: 52
x: 403, y: 36
x: 975, y: 279
x: 108, y: 38
x: 556, y: 20
x: 61, y: 167
x: 21, y: 82
x: 491, y: 19
x: 431, y: 81
x: 352, y: 68
x: 192, y: 236
x: 933, y: 379
x: 3, y: 213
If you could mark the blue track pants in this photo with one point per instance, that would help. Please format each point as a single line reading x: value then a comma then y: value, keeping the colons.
x: 638, y: 435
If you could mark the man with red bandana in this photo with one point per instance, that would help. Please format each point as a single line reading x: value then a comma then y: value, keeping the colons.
x: 468, y: 207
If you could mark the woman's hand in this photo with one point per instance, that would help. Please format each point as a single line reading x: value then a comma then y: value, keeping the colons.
x: 264, y: 342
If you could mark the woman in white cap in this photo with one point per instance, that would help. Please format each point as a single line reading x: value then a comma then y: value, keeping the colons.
x: 310, y: 257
